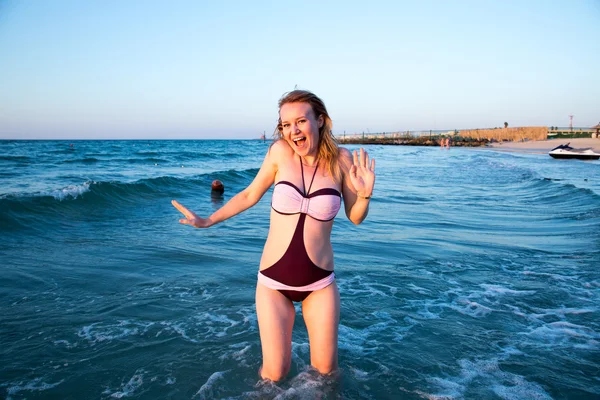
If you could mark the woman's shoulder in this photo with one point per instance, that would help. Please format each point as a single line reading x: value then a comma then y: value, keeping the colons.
x: 280, y: 147
x: 345, y: 157
x: 279, y: 150
x: 344, y: 152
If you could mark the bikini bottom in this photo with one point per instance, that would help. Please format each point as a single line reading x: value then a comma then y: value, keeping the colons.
x: 296, y: 293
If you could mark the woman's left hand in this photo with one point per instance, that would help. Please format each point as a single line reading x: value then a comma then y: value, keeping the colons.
x: 362, y: 173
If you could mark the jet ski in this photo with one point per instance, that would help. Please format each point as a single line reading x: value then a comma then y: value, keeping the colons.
x: 566, y: 151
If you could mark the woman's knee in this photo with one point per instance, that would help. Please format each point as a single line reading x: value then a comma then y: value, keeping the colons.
x: 325, y: 366
x: 274, y: 373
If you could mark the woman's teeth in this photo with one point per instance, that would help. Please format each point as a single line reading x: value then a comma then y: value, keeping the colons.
x: 299, y: 141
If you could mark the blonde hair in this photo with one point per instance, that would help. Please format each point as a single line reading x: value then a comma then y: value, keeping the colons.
x: 328, y: 146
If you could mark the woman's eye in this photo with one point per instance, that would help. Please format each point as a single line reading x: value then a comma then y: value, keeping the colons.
x: 302, y: 121
x: 286, y: 125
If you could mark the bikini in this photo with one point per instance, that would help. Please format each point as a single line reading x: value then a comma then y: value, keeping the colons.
x: 294, y: 274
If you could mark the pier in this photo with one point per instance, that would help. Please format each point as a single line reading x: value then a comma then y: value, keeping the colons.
x: 466, y: 137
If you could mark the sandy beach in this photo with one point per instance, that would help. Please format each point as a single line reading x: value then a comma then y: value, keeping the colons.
x: 543, y: 146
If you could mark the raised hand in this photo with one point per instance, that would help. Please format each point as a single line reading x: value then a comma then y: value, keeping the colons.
x: 362, y: 173
x: 191, y: 218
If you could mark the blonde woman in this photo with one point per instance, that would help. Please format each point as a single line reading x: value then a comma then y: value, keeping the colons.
x: 311, y: 175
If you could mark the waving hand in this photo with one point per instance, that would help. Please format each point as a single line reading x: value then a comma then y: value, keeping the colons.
x: 191, y: 218
x: 362, y: 174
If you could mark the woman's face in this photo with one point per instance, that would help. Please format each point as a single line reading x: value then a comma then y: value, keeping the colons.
x: 300, y: 128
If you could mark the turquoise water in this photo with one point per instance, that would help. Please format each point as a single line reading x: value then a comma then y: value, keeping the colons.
x: 475, y: 276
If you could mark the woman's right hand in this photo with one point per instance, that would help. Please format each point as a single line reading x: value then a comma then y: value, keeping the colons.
x: 191, y: 218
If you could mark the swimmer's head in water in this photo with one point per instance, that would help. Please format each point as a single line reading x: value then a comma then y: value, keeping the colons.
x: 217, y: 186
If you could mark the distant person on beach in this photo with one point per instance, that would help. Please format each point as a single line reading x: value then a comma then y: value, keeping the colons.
x: 311, y: 175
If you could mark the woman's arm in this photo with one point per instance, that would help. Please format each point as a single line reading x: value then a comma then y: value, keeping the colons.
x: 241, y: 201
x: 358, y: 180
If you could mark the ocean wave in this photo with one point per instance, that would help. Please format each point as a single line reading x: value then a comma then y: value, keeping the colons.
x: 106, y: 188
x: 71, y: 191
x: 67, y: 150
x: 20, y: 159
x: 93, y: 160
x: 17, y: 208
x: 87, y: 160
x: 191, y: 155
x: 65, y: 193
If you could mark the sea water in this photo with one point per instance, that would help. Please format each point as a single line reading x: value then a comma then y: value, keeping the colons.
x: 475, y: 276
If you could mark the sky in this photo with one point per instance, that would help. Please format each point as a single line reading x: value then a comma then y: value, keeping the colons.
x: 116, y: 69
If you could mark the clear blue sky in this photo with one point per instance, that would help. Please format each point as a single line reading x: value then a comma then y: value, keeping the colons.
x: 199, y: 69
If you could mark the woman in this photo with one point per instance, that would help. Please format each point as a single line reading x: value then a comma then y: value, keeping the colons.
x: 311, y: 175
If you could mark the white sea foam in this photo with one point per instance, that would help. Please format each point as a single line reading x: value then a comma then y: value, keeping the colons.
x: 207, y: 391
x: 564, y: 334
x: 471, y: 308
x: 483, y: 374
x: 358, y: 374
x: 156, y: 289
x: 218, y: 324
x: 509, y: 351
x: 423, y: 308
x: 300, y: 351
x: 211, y: 324
x: 383, y: 289
x: 35, y: 385
x: 534, y: 318
x: 564, y: 311
x: 65, y: 343
x: 307, y: 385
x: 178, y: 328
x: 185, y: 294
x: 239, y: 353
x: 72, y: 191
x: 366, y: 341
x: 497, y: 290
x: 427, y: 314
x: 557, y: 277
x: 357, y: 286
x: 592, y: 285
x: 418, y: 289
x: 127, y: 389
x: 354, y: 341
x: 265, y: 389
x: 103, y: 332
x: 249, y: 319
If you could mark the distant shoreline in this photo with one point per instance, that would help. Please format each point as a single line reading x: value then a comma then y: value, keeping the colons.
x: 543, y: 146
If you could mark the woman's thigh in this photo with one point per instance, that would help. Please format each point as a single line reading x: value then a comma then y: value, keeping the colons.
x: 275, y: 315
x: 321, y: 311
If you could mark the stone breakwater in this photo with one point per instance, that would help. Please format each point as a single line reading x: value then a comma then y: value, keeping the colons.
x: 462, y: 138
x: 507, y: 134
x: 416, y: 141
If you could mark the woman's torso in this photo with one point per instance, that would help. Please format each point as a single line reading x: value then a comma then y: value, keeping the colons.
x: 316, y: 233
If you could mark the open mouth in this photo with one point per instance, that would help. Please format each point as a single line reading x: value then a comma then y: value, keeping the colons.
x: 299, y: 141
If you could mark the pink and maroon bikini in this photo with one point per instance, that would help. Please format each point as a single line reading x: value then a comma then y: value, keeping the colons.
x: 294, y: 274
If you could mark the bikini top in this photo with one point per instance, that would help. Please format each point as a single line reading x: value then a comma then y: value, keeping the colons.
x: 322, y: 205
